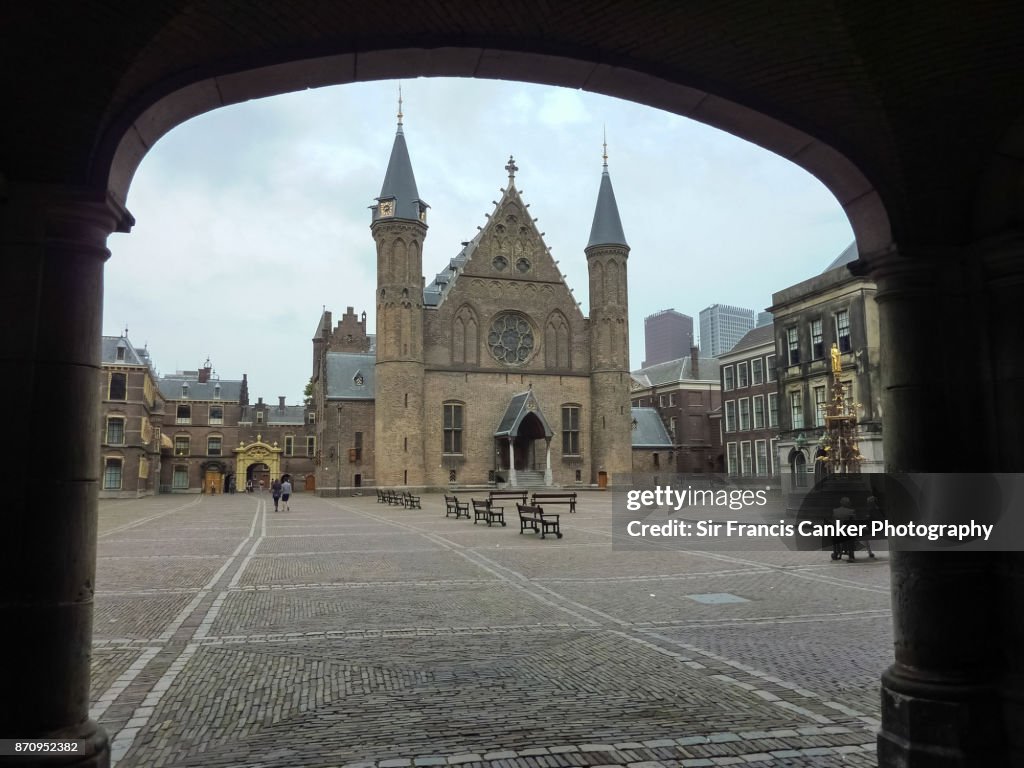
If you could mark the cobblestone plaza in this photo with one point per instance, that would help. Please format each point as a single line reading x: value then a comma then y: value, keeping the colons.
x: 348, y: 632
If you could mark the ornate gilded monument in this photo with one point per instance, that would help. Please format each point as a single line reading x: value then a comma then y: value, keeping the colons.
x: 839, y: 452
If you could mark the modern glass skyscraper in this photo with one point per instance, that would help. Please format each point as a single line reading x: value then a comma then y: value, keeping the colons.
x: 722, y: 326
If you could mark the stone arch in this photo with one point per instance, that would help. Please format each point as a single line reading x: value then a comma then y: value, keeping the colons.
x: 412, y: 262
x: 596, y: 283
x: 165, y: 101
x: 556, y: 341
x: 399, y: 261
x: 465, y: 336
x: 611, y: 294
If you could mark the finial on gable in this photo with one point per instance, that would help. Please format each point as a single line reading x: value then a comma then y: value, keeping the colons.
x: 511, y: 167
x: 399, y: 105
x: 604, y: 155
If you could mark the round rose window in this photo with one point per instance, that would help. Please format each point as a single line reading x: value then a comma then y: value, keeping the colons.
x: 510, y: 339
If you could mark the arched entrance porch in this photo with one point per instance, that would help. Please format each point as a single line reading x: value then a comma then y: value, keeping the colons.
x: 519, y: 452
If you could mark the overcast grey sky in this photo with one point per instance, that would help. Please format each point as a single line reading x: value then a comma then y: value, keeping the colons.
x: 253, y: 217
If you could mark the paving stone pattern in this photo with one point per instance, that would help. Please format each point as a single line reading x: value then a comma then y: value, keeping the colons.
x: 349, y: 633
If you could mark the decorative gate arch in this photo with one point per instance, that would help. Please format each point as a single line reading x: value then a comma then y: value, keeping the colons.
x: 257, y: 453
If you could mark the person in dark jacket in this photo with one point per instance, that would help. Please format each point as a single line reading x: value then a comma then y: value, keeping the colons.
x: 275, y: 491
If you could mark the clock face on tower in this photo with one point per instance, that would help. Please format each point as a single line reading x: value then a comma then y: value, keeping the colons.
x: 386, y: 208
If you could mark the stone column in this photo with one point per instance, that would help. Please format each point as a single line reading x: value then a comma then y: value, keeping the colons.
x: 548, y: 479
x: 1003, y: 262
x: 512, y: 482
x: 940, y: 700
x: 52, y: 250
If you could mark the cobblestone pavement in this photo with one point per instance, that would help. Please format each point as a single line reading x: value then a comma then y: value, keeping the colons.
x: 350, y: 633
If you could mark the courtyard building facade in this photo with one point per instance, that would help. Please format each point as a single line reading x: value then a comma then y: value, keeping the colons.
x: 750, y: 405
x: 132, y: 411
x: 490, y: 373
x: 837, y: 308
x: 686, y: 395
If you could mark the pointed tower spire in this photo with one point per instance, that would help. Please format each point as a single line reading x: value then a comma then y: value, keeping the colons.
x: 399, y: 198
x: 607, y: 226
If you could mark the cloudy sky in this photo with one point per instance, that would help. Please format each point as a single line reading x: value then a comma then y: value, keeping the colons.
x: 253, y: 218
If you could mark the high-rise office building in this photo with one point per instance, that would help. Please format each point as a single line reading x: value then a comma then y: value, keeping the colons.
x: 722, y: 326
x: 668, y: 335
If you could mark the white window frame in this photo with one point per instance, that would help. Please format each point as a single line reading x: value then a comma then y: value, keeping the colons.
x: 746, y: 459
x: 730, y: 415
x: 728, y: 378
x: 757, y: 371
x: 817, y: 339
x: 211, y: 419
x: 821, y: 405
x: 742, y: 375
x: 107, y: 464
x: 773, y: 397
x: 845, y: 313
x: 762, y: 467
x: 769, y: 364
x: 744, y: 410
x: 110, y: 420
x: 758, y: 424
x: 732, y: 459
x: 793, y: 345
x: 796, y: 408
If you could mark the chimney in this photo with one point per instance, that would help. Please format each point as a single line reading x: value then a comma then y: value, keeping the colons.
x: 280, y: 403
x: 695, y: 362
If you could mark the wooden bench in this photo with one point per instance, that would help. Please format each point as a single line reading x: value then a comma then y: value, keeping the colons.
x: 410, y: 501
x: 452, y: 506
x: 555, y: 498
x: 484, y: 510
x: 538, y: 521
x: 518, y: 496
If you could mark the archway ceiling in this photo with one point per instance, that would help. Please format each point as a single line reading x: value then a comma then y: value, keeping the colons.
x: 918, y: 102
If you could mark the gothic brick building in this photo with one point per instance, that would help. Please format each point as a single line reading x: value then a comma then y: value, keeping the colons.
x: 490, y: 372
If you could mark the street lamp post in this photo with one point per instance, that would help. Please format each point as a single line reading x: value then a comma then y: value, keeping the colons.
x: 337, y: 473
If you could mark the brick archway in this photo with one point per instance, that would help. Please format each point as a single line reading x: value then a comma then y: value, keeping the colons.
x: 907, y: 119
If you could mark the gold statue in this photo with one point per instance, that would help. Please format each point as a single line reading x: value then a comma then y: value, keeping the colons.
x: 837, y: 367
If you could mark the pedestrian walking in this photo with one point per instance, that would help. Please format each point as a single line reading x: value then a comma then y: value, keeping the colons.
x: 286, y: 491
x: 275, y: 491
x: 843, y: 545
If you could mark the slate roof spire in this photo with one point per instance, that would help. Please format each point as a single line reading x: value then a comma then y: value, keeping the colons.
x: 400, y: 182
x: 607, y: 226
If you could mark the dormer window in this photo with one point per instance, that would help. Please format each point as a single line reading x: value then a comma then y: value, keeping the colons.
x: 358, y: 379
x: 120, y: 353
x: 216, y: 391
x: 184, y: 390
